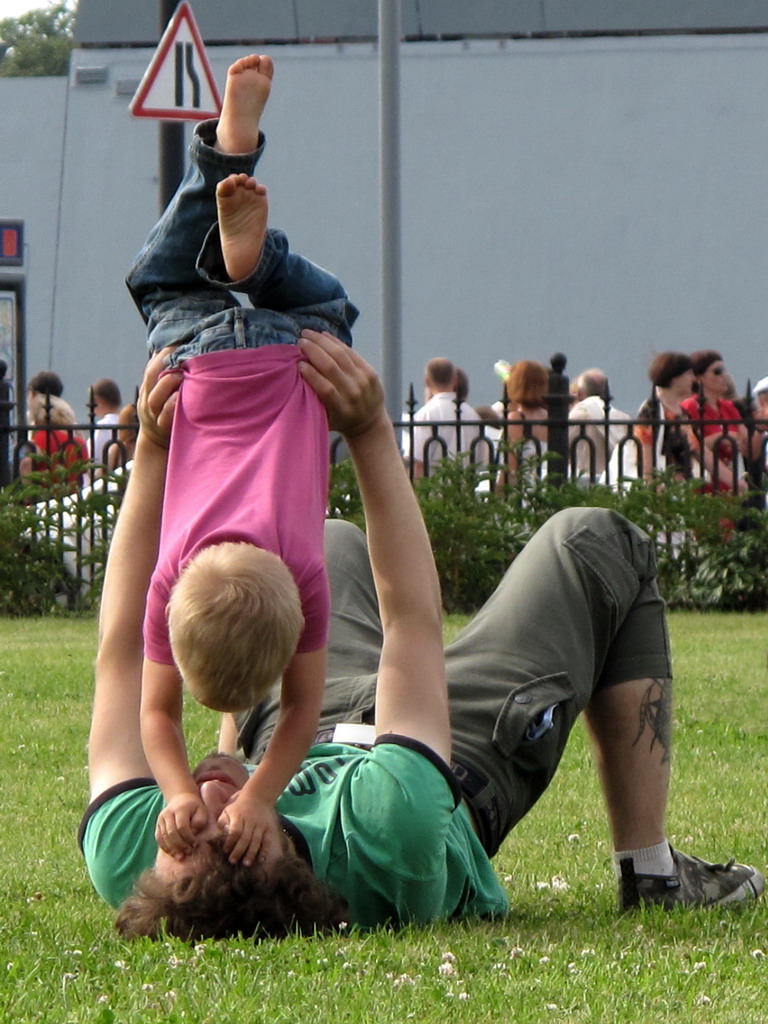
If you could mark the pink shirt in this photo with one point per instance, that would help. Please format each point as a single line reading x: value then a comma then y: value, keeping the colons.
x: 248, y: 461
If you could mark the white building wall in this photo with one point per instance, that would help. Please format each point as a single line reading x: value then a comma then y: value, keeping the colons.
x: 600, y: 197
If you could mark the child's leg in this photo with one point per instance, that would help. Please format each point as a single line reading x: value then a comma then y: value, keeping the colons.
x: 259, y: 262
x: 300, y: 288
x: 166, y: 264
x: 231, y: 257
x: 282, y: 280
x: 242, y: 214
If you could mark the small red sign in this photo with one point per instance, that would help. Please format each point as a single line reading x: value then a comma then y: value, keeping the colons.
x: 11, y: 243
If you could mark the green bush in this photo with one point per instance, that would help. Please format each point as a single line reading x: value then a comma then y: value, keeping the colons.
x: 474, y: 535
x: 704, y: 561
x: 32, y: 572
x: 726, y: 572
x: 53, y: 551
x: 344, y: 500
x: 711, y: 552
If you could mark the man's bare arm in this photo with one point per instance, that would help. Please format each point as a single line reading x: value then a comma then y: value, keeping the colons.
x: 411, y: 696
x: 115, y: 751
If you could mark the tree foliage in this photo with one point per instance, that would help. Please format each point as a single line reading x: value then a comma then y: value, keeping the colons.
x: 39, y: 42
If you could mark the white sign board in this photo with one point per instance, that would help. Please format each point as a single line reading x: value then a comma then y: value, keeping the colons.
x: 179, y: 83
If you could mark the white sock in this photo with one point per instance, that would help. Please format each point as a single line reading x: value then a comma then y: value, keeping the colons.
x: 651, y: 860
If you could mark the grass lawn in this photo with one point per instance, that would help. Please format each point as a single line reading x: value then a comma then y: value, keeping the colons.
x: 562, y: 955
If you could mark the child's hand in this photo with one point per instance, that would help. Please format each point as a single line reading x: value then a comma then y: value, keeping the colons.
x: 178, y: 822
x: 252, y: 828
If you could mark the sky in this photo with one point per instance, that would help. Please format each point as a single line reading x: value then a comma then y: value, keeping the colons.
x: 13, y: 8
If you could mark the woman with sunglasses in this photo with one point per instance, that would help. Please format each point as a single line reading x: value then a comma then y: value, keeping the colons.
x: 722, y: 442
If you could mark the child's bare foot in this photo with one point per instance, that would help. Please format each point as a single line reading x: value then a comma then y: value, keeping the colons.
x: 242, y: 207
x: 249, y: 81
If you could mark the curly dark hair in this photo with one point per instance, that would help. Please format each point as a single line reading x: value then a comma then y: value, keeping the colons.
x: 224, y: 900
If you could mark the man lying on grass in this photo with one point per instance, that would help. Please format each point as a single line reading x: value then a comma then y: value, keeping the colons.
x: 404, y: 829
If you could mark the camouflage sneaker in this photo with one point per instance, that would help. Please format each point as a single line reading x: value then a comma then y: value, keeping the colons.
x: 695, y: 883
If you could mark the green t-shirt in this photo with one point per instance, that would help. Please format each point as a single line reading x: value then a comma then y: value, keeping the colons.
x: 384, y: 827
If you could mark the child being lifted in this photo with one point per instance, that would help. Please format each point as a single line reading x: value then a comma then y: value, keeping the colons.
x: 239, y: 597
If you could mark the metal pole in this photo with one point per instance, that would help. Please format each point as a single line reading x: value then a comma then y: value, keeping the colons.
x: 170, y: 134
x: 389, y: 142
x: 558, y: 403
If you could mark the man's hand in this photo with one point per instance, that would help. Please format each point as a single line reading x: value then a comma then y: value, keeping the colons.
x: 346, y: 385
x: 252, y: 828
x: 179, y: 822
x: 157, y: 399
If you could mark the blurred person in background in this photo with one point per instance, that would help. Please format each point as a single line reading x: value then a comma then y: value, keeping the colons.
x: 720, y: 444
x: 106, y: 402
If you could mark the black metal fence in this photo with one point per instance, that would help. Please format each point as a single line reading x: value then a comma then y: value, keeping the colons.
x: 606, y: 450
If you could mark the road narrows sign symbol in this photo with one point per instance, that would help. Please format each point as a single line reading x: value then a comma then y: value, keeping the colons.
x: 179, y: 82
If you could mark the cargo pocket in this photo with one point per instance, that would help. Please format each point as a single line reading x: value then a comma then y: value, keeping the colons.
x: 533, y: 727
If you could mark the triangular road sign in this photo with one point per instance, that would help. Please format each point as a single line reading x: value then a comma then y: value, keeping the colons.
x: 179, y: 82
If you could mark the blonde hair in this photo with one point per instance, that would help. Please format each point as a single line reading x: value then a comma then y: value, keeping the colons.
x: 527, y: 383
x: 44, y: 410
x: 234, y: 619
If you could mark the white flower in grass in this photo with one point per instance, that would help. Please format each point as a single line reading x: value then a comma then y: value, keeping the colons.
x: 542, y: 885
x: 405, y: 979
x: 449, y: 957
x: 103, y: 998
x: 69, y: 977
x: 147, y: 987
x: 446, y: 969
x: 702, y: 1000
x: 174, y: 961
x: 559, y: 884
x: 758, y: 954
x: 699, y: 965
x: 120, y: 965
x: 588, y: 951
x: 543, y: 959
x: 574, y: 837
x: 464, y: 996
x: 516, y: 952
x: 551, y: 1006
